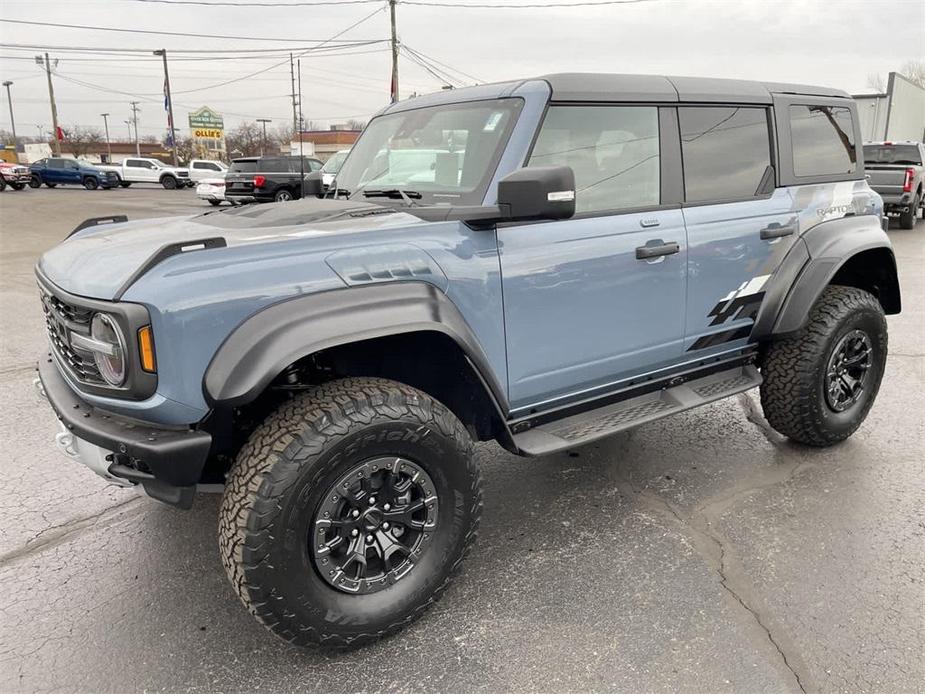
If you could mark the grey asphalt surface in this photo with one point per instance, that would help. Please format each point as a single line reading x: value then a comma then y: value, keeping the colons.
x: 701, y: 553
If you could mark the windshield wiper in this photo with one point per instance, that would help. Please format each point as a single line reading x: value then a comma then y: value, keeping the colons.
x: 394, y: 194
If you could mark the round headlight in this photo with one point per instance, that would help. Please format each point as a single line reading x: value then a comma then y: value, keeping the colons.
x: 112, y: 364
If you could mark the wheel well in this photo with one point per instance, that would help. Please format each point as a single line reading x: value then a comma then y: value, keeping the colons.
x: 427, y: 360
x: 874, y: 271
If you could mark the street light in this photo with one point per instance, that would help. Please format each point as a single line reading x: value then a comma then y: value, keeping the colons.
x: 108, y: 145
x: 263, y: 147
x: 9, y: 98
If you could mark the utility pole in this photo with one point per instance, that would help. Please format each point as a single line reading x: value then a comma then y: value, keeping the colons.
x: 108, y: 144
x: 9, y: 98
x: 135, y: 120
x: 295, y: 121
x: 170, y: 128
x: 394, y: 52
x: 263, y: 148
x: 54, y: 108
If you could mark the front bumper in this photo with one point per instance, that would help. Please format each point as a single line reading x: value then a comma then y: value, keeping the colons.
x: 166, y: 462
x: 17, y: 177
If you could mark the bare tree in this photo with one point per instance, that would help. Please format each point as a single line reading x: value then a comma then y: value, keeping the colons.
x: 914, y: 71
x: 246, y: 139
x: 875, y: 82
x: 355, y: 124
x: 81, y: 141
x: 186, y: 150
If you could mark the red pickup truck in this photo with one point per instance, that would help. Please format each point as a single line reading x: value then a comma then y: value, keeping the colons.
x: 15, y: 176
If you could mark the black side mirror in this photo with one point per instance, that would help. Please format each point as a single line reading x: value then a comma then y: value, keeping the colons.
x: 542, y: 192
x: 313, y: 185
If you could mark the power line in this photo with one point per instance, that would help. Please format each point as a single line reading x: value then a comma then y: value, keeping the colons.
x: 418, y: 3
x: 170, y: 33
x: 119, y: 50
x: 228, y: 3
x: 450, y: 67
x: 527, y: 6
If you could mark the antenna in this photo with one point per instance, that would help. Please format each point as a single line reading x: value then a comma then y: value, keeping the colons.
x: 301, y: 160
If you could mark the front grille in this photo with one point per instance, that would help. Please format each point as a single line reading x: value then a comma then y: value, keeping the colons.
x: 62, y: 318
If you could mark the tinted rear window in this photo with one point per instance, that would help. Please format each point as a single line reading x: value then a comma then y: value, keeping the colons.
x: 892, y: 154
x: 274, y: 164
x: 726, y: 151
x: 243, y: 166
x: 823, y: 140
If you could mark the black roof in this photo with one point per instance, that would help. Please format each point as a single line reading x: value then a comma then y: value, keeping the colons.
x: 586, y: 86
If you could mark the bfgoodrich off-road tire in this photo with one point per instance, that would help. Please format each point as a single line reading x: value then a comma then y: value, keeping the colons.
x: 298, y: 463
x: 797, y: 370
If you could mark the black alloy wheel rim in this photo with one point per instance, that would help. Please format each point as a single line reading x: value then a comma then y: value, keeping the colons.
x: 847, y: 370
x: 374, y: 524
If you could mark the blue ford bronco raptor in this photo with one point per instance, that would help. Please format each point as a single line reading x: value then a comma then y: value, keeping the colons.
x: 541, y: 263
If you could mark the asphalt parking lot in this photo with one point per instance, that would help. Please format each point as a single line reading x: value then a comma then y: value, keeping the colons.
x: 699, y: 553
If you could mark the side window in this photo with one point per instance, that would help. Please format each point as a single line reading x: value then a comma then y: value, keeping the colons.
x: 613, y: 150
x: 211, y: 167
x: 726, y: 151
x: 55, y: 163
x: 200, y: 165
x: 823, y: 140
x: 133, y: 163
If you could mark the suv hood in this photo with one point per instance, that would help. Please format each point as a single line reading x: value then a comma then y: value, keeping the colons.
x: 100, y: 262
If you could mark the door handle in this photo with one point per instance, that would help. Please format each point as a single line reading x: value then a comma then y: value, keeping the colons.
x: 775, y: 231
x: 654, y: 251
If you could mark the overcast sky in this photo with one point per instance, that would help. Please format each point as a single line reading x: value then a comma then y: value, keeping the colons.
x: 828, y: 42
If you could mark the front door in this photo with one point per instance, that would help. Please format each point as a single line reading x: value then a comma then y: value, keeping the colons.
x: 739, y: 227
x: 597, y: 299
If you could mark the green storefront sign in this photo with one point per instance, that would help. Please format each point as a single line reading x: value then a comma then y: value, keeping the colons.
x: 206, y: 118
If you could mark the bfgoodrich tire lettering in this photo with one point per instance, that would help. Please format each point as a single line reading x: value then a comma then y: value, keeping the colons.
x: 275, y: 489
x: 793, y: 394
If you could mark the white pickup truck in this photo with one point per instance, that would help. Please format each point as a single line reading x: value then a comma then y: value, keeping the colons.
x: 140, y: 170
x: 202, y: 169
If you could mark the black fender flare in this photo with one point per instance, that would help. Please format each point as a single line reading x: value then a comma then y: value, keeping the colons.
x: 267, y: 342
x: 811, y: 265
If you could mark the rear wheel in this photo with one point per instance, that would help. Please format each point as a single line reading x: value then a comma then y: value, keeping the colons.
x: 169, y: 182
x: 283, y: 195
x: 125, y: 184
x: 820, y: 384
x: 50, y: 185
x: 215, y: 203
x: 91, y: 183
x: 907, y: 219
x: 348, y: 510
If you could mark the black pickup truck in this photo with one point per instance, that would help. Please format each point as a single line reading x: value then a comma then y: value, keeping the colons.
x: 896, y: 171
x: 267, y: 178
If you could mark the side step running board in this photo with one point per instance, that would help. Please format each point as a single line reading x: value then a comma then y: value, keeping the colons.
x: 590, y: 426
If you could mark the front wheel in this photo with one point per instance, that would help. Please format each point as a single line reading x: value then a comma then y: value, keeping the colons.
x: 215, y: 203
x: 35, y: 182
x: 17, y: 186
x: 820, y: 384
x: 169, y: 182
x: 91, y: 183
x: 348, y: 510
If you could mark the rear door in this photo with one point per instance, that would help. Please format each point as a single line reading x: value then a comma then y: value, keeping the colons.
x: 54, y: 171
x: 739, y: 225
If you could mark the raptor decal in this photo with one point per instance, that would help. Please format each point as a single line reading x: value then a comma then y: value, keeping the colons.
x: 742, y: 302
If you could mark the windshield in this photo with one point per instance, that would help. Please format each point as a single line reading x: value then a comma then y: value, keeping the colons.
x: 333, y: 164
x: 445, y: 153
x: 892, y: 154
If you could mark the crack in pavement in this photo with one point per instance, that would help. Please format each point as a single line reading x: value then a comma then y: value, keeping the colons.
x: 699, y: 526
x: 56, y: 534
